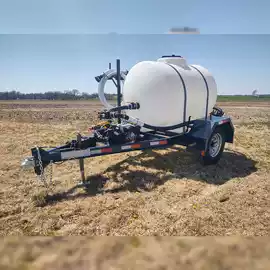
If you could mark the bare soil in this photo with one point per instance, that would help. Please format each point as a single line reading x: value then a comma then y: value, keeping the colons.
x: 151, y: 253
x: 160, y: 192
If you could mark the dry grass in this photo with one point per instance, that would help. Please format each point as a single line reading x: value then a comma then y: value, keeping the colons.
x: 81, y: 253
x: 160, y: 192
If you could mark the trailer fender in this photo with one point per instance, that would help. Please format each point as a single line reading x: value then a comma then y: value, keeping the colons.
x: 227, y: 128
x: 202, y: 131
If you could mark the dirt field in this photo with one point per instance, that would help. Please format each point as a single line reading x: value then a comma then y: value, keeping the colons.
x: 160, y: 192
x: 121, y: 253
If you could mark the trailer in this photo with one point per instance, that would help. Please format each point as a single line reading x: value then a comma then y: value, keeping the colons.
x: 115, y: 135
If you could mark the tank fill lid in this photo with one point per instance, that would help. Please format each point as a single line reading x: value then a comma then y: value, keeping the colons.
x: 175, y: 60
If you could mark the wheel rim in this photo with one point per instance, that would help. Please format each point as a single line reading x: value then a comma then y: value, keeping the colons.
x: 215, y: 145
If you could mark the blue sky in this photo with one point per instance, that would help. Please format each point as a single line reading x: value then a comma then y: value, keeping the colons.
x: 50, y: 45
x: 133, y: 16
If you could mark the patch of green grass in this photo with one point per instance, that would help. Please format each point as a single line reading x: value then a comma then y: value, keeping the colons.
x: 243, y: 98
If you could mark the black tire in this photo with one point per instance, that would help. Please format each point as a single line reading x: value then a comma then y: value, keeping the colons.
x: 214, y: 151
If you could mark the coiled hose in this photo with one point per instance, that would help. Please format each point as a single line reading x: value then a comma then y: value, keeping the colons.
x: 109, y: 74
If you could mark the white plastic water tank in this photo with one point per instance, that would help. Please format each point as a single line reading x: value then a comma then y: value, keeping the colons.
x: 161, y: 88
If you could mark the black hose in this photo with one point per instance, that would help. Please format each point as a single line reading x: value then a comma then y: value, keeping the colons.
x: 131, y: 106
x: 157, y: 128
x: 217, y: 112
x: 115, y: 109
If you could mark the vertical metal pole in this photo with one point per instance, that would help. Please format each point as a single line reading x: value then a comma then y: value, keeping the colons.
x: 81, y: 161
x: 118, y: 87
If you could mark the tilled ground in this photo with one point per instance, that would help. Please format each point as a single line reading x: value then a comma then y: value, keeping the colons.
x: 159, y: 192
x: 151, y: 193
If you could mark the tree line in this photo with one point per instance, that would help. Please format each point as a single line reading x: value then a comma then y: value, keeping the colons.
x: 53, y: 95
x: 76, y: 95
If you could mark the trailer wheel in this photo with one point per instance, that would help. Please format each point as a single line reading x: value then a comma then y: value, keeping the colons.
x: 215, y: 147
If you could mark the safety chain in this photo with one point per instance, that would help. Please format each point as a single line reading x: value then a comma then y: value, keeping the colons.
x: 42, y: 176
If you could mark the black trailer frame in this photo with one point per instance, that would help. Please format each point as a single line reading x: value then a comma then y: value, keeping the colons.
x: 197, y: 135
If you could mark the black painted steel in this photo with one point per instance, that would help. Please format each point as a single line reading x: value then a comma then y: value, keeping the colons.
x: 118, y: 87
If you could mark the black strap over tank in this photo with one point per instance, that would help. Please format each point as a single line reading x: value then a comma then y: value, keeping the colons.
x: 185, y: 91
x: 207, y: 90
